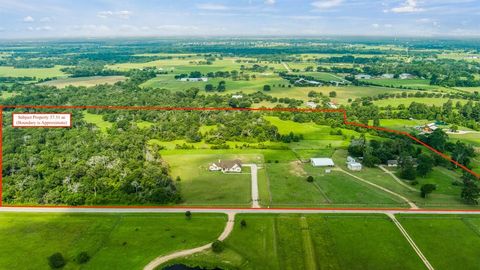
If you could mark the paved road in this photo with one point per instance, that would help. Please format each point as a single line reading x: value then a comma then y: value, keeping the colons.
x: 233, y: 210
x: 163, y: 259
x: 254, y: 173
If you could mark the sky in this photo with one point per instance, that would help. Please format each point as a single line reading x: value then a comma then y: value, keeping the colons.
x: 131, y: 18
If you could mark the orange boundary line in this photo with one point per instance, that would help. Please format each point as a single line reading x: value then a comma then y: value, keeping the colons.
x: 158, y: 108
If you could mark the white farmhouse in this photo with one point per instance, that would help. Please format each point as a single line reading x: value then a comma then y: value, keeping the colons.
x: 363, y: 76
x: 353, y: 165
x: 226, y: 166
x: 322, y: 162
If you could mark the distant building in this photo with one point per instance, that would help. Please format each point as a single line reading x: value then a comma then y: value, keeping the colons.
x: 310, y: 104
x: 226, y: 166
x: 363, y: 76
x: 322, y: 162
x: 332, y: 105
x: 237, y: 96
x: 429, y: 128
x: 203, y: 79
x: 392, y: 163
x: 405, y: 76
x: 353, y: 165
x: 303, y: 81
x: 388, y: 76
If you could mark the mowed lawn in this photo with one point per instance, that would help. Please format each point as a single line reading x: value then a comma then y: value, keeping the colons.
x: 447, y: 242
x: 312, y: 242
x: 289, y: 187
x: 199, y: 186
x: 114, y: 241
x: 84, y: 81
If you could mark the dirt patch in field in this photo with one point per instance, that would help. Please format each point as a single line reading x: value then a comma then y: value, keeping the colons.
x: 296, y: 168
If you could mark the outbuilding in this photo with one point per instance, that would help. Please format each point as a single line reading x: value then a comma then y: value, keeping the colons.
x: 322, y: 162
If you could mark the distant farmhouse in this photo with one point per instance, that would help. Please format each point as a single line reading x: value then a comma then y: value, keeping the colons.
x: 226, y: 166
x: 392, y: 163
x: 332, y: 105
x: 237, y: 96
x: 363, y: 76
x: 353, y: 165
x: 388, y: 76
x: 203, y: 79
x: 322, y: 162
x: 310, y: 104
x: 405, y: 76
x: 428, y: 128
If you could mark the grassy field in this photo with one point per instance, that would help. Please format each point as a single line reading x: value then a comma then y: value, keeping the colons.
x: 251, y: 86
x: 97, y: 119
x: 407, y: 101
x: 411, y: 83
x: 447, y: 242
x: 84, y: 81
x: 199, y: 186
x: 114, y: 241
x: 312, y: 242
x: 39, y: 73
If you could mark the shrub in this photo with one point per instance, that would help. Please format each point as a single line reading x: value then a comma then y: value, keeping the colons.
x: 56, y: 261
x: 310, y: 179
x: 188, y: 214
x: 243, y: 223
x: 218, y: 246
x: 83, y: 257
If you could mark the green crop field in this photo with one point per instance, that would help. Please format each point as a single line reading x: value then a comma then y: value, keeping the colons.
x: 39, y: 73
x: 84, y: 81
x: 114, y: 241
x: 312, y: 242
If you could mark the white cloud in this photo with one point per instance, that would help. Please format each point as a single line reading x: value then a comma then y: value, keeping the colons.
x: 28, y: 19
x: 326, y: 4
x: 123, y: 14
x: 375, y: 25
x: 2, y: 29
x: 409, y: 6
x: 40, y: 28
x: 209, y: 6
x: 270, y: 2
x: 46, y: 19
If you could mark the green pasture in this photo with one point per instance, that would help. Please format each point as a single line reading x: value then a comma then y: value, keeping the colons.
x: 394, y: 102
x: 114, y: 241
x: 312, y: 242
x: 39, y: 73
x: 448, y: 242
x: 84, y: 81
x: 97, y: 120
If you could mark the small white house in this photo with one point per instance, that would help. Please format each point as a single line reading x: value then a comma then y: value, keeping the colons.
x: 392, y: 163
x: 312, y: 105
x: 322, y: 162
x: 363, y: 76
x: 388, y: 76
x: 405, y: 76
x: 353, y: 165
x: 332, y: 105
x: 237, y: 96
x: 226, y: 166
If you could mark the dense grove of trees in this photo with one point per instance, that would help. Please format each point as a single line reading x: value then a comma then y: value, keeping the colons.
x: 80, y: 166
